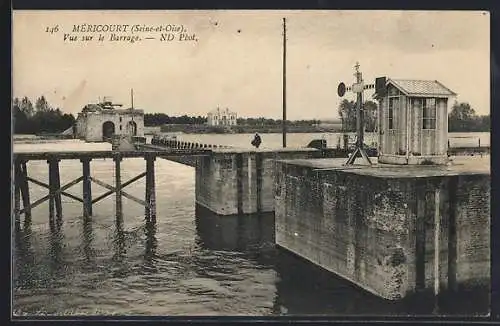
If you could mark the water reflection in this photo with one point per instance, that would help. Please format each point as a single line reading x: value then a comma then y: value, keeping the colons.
x: 23, y: 257
x: 150, y: 247
x: 56, y: 240
x: 245, y: 233
x: 87, y: 240
x: 234, y: 261
x: 302, y: 288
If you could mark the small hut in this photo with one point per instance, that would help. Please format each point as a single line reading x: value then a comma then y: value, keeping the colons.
x: 413, y: 122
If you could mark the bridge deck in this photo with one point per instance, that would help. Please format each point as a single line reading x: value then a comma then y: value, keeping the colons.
x: 63, y: 155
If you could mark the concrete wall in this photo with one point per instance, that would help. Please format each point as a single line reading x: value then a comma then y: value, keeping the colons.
x: 379, y: 232
x: 89, y: 125
x: 231, y: 181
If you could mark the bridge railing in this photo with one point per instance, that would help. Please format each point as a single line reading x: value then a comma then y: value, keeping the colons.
x: 178, y: 144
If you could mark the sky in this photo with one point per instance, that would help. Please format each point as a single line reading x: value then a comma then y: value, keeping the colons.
x: 235, y: 59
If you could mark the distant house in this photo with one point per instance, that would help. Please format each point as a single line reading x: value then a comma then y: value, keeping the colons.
x: 221, y: 117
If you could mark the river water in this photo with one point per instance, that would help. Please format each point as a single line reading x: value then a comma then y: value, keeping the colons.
x: 190, y: 263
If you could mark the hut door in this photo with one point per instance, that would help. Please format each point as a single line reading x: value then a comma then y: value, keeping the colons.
x: 393, y: 107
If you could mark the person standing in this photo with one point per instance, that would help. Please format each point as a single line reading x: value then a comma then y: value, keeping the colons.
x: 256, y: 140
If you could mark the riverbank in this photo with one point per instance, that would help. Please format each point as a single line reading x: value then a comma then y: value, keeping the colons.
x: 37, y: 139
x: 245, y: 129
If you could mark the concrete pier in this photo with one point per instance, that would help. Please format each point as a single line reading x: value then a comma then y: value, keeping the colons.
x: 391, y: 230
x: 241, y: 181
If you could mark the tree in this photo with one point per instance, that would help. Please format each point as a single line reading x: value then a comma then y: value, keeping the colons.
x: 370, y: 115
x: 41, y: 104
x: 461, y: 117
x: 347, y: 113
x: 21, y: 122
x: 27, y: 107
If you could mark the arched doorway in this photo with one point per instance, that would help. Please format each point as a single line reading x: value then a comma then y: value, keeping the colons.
x: 108, y: 130
x: 132, y: 128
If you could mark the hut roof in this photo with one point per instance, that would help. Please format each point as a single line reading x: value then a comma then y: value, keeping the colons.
x: 421, y: 87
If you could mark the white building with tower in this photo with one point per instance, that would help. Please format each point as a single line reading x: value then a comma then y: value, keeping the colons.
x: 101, y: 121
x: 222, y: 117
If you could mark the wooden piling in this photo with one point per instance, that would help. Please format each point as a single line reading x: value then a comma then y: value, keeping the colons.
x: 87, y: 187
x: 54, y: 185
x: 17, y: 196
x: 150, y: 189
x: 58, y: 196
x: 25, y: 194
x: 118, y: 188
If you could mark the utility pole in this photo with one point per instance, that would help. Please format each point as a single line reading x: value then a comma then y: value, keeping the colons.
x: 284, y: 82
x: 132, y: 98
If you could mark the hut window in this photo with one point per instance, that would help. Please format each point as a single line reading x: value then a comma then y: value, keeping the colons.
x: 429, y: 113
x: 393, y: 105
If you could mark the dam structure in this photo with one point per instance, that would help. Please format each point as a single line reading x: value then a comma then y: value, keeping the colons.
x: 410, y: 221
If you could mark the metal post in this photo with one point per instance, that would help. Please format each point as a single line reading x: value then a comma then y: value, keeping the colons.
x: 150, y: 189
x: 284, y: 82
x: 359, y: 122
x: 118, y: 188
x: 87, y: 187
x: 359, y: 111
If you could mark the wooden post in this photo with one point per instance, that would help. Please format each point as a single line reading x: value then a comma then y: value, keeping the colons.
x: 118, y: 187
x: 52, y: 190
x: 25, y: 194
x: 17, y: 195
x: 57, y: 196
x: 150, y: 189
x: 87, y: 187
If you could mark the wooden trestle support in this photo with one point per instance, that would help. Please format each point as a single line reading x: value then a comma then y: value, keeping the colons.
x: 56, y: 191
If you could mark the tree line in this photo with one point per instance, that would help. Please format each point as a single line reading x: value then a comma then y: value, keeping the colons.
x: 43, y: 118
x: 461, y: 118
x: 159, y: 119
x: 40, y: 118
